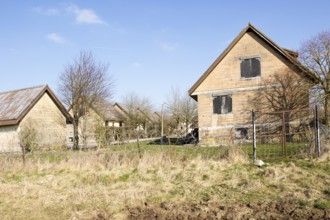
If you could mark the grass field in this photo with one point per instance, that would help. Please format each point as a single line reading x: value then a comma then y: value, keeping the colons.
x: 173, y: 182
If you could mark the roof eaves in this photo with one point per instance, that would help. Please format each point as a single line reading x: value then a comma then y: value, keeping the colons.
x: 8, y: 122
x: 218, y: 60
x: 57, y: 102
x: 281, y: 50
x: 30, y: 106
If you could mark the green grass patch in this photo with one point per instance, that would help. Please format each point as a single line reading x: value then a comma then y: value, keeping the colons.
x: 322, y: 204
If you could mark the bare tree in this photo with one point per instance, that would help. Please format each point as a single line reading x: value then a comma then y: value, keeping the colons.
x: 138, y: 109
x: 173, y: 106
x: 82, y: 84
x: 315, y: 55
x: 283, y: 91
x: 182, y: 108
x: 28, y: 139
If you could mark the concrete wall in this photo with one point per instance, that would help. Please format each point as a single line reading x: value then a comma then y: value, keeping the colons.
x: 225, y: 79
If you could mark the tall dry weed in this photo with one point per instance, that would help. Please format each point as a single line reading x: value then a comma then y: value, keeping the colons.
x: 235, y: 155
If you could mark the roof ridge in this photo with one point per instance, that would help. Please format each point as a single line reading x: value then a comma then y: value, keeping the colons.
x: 263, y: 37
x: 17, y: 90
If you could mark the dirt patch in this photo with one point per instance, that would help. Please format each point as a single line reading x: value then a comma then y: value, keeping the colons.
x: 213, y: 210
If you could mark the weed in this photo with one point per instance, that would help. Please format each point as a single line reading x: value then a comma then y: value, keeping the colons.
x: 124, y: 177
x: 327, y: 192
x: 205, y: 177
x: 82, y: 185
x: 322, y: 204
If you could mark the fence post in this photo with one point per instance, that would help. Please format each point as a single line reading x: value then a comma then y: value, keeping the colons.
x: 254, y: 136
x: 284, y: 148
x: 317, y: 132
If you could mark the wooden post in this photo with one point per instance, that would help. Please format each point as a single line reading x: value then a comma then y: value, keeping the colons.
x: 317, y: 132
x: 139, y: 148
x: 284, y: 150
x: 254, y: 137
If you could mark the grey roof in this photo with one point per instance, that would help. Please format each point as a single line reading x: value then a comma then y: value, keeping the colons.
x: 14, y: 105
x: 108, y: 112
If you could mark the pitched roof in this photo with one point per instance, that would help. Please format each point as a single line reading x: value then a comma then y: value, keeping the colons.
x: 108, y: 112
x: 14, y: 105
x: 289, y: 55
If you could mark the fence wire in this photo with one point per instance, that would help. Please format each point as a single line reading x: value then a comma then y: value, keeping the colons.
x: 285, y: 133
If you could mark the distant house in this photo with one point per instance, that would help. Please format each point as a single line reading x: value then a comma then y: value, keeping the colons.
x: 37, y: 108
x: 103, y: 114
x: 223, y: 91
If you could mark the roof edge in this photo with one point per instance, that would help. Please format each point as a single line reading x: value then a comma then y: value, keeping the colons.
x: 44, y: 90
x: 283, y: 51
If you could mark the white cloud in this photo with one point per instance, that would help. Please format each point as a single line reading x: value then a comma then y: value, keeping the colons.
x: 48, y: 12
x: 84, y: 16
x: 56, y: 38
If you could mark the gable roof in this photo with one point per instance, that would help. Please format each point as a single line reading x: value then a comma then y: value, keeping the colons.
x: 108, y: 112
x: 289, y: 55
x: 120, y: 108
x: 14, y: 105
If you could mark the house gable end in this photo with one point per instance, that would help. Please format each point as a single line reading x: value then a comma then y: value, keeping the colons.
x: 289, y: 57
x: 34, y: 98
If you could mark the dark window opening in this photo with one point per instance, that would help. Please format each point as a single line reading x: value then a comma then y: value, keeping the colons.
x: 250, y: 67
x: 242, y: 133
x: 222, y: 104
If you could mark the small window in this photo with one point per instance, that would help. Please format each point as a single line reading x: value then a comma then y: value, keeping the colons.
x: 107, y: 123
x: 242, y: 133
x: 222, y: 104
x: 250, y: 67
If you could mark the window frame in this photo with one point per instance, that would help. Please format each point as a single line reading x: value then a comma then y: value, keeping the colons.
x: 254, y: 69
x: 220, y: 107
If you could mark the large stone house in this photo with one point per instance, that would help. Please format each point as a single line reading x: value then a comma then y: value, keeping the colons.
x: 36, y: 109
x: 222, y: 91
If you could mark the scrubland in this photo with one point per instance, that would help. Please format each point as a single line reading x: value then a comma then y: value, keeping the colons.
x: 162, y: 183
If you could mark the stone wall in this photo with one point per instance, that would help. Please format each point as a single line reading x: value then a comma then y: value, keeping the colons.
x: 225, y: 79
x: 48, y: 121
x: 9, y: 139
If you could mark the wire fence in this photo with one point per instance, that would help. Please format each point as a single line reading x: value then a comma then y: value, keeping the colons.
x: 285, y: 134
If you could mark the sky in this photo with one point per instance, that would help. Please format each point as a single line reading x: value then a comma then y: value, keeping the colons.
x: 150, y: 46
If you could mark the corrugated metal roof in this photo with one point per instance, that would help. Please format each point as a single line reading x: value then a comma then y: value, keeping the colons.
x: 14, y: 103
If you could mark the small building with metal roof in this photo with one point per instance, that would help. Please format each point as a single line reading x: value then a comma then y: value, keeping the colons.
x: 35, y: 109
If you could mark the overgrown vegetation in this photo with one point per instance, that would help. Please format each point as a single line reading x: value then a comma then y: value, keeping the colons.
x: 117, y: 184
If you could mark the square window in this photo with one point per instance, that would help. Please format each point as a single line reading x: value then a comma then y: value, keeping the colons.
x: 250, y: 67
x: 242, y: 133
x: 222, y: 104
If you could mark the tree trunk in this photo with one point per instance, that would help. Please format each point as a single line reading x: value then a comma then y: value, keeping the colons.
x: 187, y: 127
x: 288, y: 137
x: 326, y: 110
x: 75, y: 133
x: 23, y: 155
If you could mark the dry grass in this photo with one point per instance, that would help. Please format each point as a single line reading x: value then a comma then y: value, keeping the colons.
x: 101, y: 185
